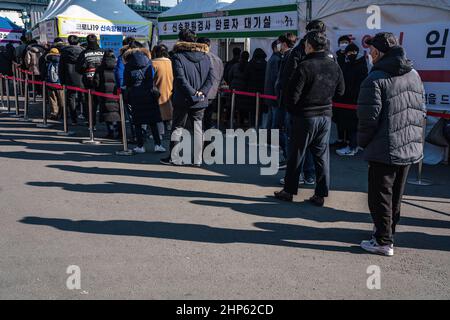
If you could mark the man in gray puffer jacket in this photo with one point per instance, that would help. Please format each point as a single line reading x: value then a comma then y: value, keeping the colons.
x: 391, y: 112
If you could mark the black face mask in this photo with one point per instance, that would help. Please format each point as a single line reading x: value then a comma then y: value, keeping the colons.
x: 352, y: 58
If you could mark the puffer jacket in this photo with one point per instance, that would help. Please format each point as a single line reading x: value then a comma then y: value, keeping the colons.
x: 138, y: 78
x: 217, y: 74
x: 67, y: 69
x: 391, y: 111
x: 192, y: 72
x: 105, y: 82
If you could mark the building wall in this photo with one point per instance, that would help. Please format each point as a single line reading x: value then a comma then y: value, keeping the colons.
x: 12, y: 9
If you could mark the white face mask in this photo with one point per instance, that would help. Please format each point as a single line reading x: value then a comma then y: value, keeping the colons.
x: 342, y: 46
x: 279, y: 47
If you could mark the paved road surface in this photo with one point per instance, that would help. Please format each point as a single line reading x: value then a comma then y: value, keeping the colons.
x: 141, y: 230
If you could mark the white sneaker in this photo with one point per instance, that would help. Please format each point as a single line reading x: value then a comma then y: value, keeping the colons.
x: 373, y: 247
x: 160, y: 149
x: 138, y: 150
x: 347, y: 152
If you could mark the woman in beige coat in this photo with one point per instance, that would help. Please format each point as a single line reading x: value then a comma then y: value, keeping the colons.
x: 163, y: 81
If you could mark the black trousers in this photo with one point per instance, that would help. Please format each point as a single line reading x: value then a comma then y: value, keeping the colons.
x: 140, y: 134
x: 386, y: 188
x: 312, y: 133
x: 74, y: 99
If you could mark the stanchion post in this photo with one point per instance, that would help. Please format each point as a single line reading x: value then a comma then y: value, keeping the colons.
x: 233, y: 106
x: 219, y: 106
x: 1, y: 89
x: 66, y: 132
x: 33, y: 87
x: 27, y: 100
x: 125, y: 151
x: 419, y: 181
x: 8, y: 100
x: 44, y: 123
x: 91, y: 140
x: 258, y: 101
x: 16, y: 97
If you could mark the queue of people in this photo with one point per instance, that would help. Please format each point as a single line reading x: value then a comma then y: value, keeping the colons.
x: 168, y: 91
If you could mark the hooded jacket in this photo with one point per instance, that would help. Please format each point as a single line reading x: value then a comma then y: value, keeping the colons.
x: 192, y: 72
x: 88, y: 61
x: 68, y: 72
x: 33, y: 54
x: 119, y: 69
x: 138, y: 78
x: 391, y: 111
x: 104, y: 82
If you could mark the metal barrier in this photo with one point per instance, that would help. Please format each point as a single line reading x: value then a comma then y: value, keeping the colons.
x: 65, y: 132
x: 125, y: 151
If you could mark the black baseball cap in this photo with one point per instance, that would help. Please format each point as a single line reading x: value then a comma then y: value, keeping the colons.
x: 383, y: 41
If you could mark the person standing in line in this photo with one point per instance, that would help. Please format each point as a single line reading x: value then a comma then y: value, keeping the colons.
x: 272, y: 70
x: 392, y: 113
x: 55, y: 96
x: 70, y: 76
x: 142, y: 96
x: 229, y: 65
x: 164, y: 83
x: 88, y: 62
x: 193, y: 81
x: 309, y: 98
x: 355, y: 71
x: 104, y: 81
x: 217, y: 75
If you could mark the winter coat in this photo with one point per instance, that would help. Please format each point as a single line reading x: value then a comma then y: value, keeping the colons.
x: 236, y: 76
x: 52, y: 62
x: 313, y: 85
x: 138, y: 78
x: 6, y: 60
x: 272, y: 70
x: 228, y: 66
x: 391, y: 111
x: 19, y: 54
x: 119, y: 69
x: 32, y: 56
x: 105, y: 82
x: 164, y: 82
x: 192, y: 72
x: 88, y: 62
x: 217, y: 74
x: 68, y: 72
x: 354, y: 74
x: 255, y: 72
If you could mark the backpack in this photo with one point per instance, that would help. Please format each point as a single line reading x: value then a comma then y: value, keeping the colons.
x: 53, y: 73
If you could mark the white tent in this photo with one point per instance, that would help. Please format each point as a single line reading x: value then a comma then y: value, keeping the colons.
x: 101, y: 17
x: 187, y: 7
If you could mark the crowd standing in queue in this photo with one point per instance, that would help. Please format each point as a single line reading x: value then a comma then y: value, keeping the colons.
x: 166, y: 91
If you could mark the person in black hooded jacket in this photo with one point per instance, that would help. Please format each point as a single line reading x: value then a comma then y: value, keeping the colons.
x: 70, y: 76
x: 88, y: 62
x: 104, y: 81
x: 255, y: 79
x: 193, y: 79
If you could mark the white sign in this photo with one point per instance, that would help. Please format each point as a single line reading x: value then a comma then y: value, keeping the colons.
x: 428, y: 47
x: 10, y: 36
x: 232, y: 24
x: 84, y: 27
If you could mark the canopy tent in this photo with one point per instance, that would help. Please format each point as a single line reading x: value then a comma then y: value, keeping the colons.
x: 83, y: 17
x: 9, y: 31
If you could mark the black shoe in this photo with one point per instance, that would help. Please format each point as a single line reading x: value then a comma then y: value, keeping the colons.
x: 284, y: 196
x: 317, y: 201
x: 166, y: 161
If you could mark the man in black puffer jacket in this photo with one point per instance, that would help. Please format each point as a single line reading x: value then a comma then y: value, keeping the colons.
x: 391, y: 112
x: 193, y: 80
x: 309, y: 102
x: 69, y: 76
x: 88, y: 62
